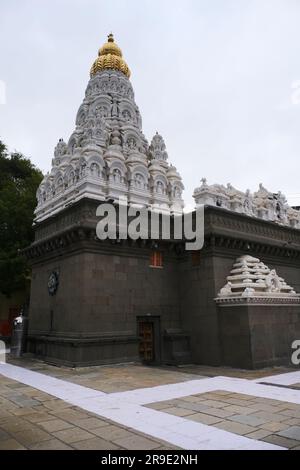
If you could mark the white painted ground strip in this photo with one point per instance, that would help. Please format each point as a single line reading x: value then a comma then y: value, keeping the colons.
x: 126, y: 408
x: 229, y: 384
x: 282, y: 379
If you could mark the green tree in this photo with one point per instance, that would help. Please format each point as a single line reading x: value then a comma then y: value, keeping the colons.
x: 19, y: 180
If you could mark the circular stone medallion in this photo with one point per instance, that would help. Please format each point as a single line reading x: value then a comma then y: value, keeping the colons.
x: 53, y: 283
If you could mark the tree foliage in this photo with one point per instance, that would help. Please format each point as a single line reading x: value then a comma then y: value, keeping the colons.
x: 19, y: 180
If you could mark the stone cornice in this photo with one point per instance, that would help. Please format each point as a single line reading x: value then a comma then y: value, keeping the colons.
x: 80, y: 239
x: 222, y: 221
x: 236, y: 301
x: 225, y: 233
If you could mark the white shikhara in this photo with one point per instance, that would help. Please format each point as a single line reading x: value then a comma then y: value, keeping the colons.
x: 108, y: 156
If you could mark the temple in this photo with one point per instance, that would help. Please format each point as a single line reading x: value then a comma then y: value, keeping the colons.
x: 108, y: 156
x: 235, y: 302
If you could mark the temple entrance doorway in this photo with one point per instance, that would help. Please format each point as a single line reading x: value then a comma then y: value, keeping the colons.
x: 149, y: 333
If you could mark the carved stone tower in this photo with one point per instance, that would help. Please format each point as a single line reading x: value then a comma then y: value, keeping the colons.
x: 89, y: 296
x: 107, y: 155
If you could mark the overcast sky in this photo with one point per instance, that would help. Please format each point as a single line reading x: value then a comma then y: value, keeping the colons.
x: 219, y: 79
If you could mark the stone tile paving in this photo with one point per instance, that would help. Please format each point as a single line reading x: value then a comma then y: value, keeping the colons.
x: 210, y: 371
x: 110, y: 379
x: 118, y: 378
x: 31, y: 419
x: 262, y: 419
x: 295, y: 386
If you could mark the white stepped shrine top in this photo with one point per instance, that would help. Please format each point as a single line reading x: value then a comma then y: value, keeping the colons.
x: 251, y: 278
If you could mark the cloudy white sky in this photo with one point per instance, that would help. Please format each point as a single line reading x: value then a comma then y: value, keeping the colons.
x: 219, y: 79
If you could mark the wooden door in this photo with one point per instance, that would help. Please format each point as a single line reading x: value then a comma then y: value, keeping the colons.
x: 146, y: 334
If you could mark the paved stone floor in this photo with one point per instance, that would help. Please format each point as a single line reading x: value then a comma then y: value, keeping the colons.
x: 136, y: 407
x: 264, y: 419
x: 119, y: 378
x: 31, y: 419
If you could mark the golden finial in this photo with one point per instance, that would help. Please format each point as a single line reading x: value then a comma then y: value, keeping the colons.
x: 110, y: 57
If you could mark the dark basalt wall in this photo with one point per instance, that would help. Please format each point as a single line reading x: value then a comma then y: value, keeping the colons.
x: 105, y: 286
x: 256, y: 336
x: 227, y: 236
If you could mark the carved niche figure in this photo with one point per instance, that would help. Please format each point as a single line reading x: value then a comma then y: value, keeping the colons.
x: 71, y: 179
x: 281, y: 197
x: 95, y: 170
x: 101, y: 111
x: 226, y: 290
x: 273, y: 282
x: 77, y: 173
x: 248, y: 203
x: 139, y: 181
x: 278, y: 211
x: 83, y: 170
x: 281, y: 207
x: 160, y: 187
x: 115, y: 108
x: 117, y: 176
x: 59, y: 186
x: 263, y: 189
x: 60, y: 149
x: 247, y: 207
x: 49, y: 192
x: 126, y: 115
x: 131, y: 143
x: 176, y: 192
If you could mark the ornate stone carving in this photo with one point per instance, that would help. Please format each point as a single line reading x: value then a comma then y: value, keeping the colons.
x: 131, y: 143
x: 115, y: 108
x: 252, y: 278
x: 60, y: 149
x: 53, y: 283
x: 262, y: 204
x: 59, y: 152
x: 157, y: 148
x: 109, y: 127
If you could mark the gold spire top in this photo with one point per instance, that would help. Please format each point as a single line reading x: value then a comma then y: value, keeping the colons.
x: 110, y: 57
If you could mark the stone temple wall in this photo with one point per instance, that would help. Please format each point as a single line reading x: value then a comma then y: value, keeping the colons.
x: 104, y: 288
x: 228, y: 236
